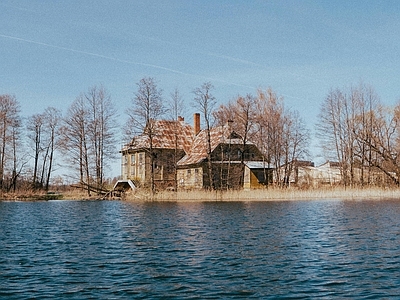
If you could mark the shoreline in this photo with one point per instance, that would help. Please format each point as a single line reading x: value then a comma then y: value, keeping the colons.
x: 271, y: 194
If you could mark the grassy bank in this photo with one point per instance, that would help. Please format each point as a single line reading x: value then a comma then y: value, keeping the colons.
x: 30, y: 196
x: 271, y: 194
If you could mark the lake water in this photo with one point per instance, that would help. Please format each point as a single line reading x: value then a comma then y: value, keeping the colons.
x: 326, y: 249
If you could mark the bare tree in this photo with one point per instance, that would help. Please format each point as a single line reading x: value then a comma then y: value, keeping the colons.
x: 383, y: 140
x: 205, y: 102
x: 89, y: 136
x: 240, y: 115
x: 18, y: 161
x: 42, y: 129
x: 295, y: 142
x: 270, y: 112
x: 366, y: 103
x: 101, y: 130
x: 345, y: 121
x: 176, y: 109
x: 10, y: 123
x: 147, y: 107
x: 35, y: 132
x: 280, y: 134
x: 332, y: 130
x: 74, y: 142
x: 52, y: 117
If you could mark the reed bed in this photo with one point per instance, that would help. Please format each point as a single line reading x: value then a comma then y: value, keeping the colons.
x: 271, y: 194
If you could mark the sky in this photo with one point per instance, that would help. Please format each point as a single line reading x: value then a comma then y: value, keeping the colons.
x: 52, y: 51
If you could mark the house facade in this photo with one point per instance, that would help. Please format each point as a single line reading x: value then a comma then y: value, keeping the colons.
x: 180, y: 158
x: 233, y: 164
x: 171, y: 141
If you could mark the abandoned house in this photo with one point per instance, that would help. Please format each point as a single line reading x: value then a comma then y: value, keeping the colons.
x: 233, y: 165
x: 181, y: 158
x: 171, y: 141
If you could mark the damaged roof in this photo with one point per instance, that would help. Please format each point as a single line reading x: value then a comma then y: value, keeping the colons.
x: 219, y: 135
x: 167, y: 133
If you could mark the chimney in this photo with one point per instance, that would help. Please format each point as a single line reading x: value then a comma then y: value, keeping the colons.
x: 196, y: 121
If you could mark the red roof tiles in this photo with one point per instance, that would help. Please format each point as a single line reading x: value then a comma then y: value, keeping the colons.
x: 167, y: 133
x: 199, y: 151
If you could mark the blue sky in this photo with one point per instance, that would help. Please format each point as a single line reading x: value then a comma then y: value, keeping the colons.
x: 51, y: 51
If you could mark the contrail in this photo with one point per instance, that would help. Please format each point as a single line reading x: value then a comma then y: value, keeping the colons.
x: 115, y: 59
x: 91, y: 54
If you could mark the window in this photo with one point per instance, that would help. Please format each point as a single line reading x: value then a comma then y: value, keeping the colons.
x: 132, y: 159
x: 140, y: 158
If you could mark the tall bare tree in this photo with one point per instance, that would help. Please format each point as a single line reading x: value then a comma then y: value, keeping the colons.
x: 176, y: 109
x: 89, y: 136
x: 52, y: 117
x: 205, y: 102
x: 74, y: 142
x: 332, y: 129
x: 35, y: 132
x: 295, y: 142
x: 366, y: 103
x: 147, y: 107
x: 10, y: 123
x: 18, y: 161
x: 345, y: 120
x: 42, y: 132
x: 280, y: 134
x: 270, y: 112
x: 101, y: 130
x: 382, y: 139
x: 240, y: 115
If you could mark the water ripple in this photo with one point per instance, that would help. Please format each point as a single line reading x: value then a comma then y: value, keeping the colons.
x: 269, y: 250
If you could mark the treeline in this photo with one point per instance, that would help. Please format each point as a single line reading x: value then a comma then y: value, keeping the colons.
x: 33, y: 148
x: 354, y: 128
x: 278, y: 132
x: 362, y: 134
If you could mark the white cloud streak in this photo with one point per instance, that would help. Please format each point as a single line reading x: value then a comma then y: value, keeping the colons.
x: 117, y: 59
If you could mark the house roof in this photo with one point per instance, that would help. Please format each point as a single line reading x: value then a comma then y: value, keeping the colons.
x: 218, y: 135
x: 330, y: 164
x: 256, y: 164
x: 164, y: 138
x: 301, y: 163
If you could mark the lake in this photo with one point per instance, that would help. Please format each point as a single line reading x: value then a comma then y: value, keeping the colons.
x: 328, y: 249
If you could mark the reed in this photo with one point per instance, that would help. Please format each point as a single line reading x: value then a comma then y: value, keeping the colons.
x: 271, y: 194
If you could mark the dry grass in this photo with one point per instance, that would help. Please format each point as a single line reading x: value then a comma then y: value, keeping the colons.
x: 271, y: 194
x: 31, y: 195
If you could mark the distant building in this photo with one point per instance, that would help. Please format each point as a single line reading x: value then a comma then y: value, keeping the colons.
x: 296, y: 172
x: 329, y: 173
x: 305, y: 173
